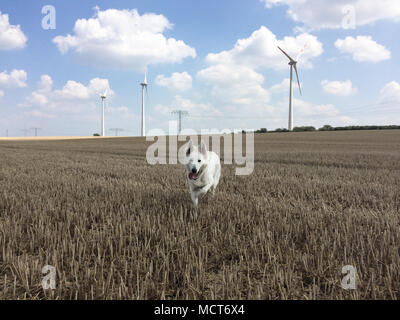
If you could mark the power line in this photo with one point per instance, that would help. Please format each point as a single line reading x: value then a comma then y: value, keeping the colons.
x: 116, y: 130
x: 355, y: 109
x: 377, y: 104
x: 222, y: 117
x: 180, y: 113
x: 36, y: 130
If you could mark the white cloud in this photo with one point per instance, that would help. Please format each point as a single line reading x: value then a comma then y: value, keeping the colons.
x: 363, y: 48
x: 36, y: 99
x: 14, y: 79
x: 304, y: 108
x: 74, y: 97
x: 121, y: 109
x: 99, y: 86
x: 236, y: 88
x: 260, y: 50
x: 75, y: 107
x: 390, y: 93
x: 45, y: 83
x: 162, y: 109
x: 341, y: 88
x: 77, y: 90
x: 124, y: 39
x: 11, y: 36
x: 280, y: 87
x: 310, y: 114
x: 177, y: 81
x: 388, y: 109
x: 39, y: 114
x: 194, y: 108
x: 283, y: 86
x: 39, y: 97
x: 385, y: 110
x: 320, y: 14
x: 73, y: 90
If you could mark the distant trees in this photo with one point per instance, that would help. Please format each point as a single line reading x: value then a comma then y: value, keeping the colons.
x: 280, y: 130
x: 328, y: 127
x: 391, y: 127
x: 96, y: 135
x: 305, y: 128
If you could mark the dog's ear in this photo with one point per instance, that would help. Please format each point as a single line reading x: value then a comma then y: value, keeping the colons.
x: 203, y: 149
x: 190, y: 148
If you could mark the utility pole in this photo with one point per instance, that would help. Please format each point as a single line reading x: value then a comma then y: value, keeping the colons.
x: 36, y: 130
x: 7, y: 133
x: 116, y: 130
x: 180, y: 113
x: 25, y: 131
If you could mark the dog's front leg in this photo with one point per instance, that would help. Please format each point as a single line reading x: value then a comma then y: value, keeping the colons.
x: 195, y: 200
x: 203, y: 190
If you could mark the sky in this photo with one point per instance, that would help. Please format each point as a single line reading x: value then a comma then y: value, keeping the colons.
x: 217, y: 60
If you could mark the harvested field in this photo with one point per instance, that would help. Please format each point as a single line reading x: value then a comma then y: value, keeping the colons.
x: 115, y: 227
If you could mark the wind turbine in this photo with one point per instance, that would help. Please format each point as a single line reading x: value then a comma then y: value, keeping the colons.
x: 292, y: 64
x: 144, y: 85
x: 103, y: 98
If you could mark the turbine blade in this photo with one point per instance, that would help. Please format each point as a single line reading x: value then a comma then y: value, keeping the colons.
x: 297, y: 76
x: 301, y: 52
x: 286, y: 54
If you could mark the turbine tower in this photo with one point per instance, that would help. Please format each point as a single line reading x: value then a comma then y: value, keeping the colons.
x: 144, y: 85
x: 292, y: 64
x: 103, y: 98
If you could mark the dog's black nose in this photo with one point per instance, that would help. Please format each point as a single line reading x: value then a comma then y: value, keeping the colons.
x: 194, y: 170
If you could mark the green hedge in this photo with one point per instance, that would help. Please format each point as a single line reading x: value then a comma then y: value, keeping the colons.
x: 328, y: 127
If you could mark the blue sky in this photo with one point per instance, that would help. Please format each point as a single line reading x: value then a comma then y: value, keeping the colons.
x: 215, y: 59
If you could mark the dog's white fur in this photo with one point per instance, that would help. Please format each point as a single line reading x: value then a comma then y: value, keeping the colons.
x: 203, y: 172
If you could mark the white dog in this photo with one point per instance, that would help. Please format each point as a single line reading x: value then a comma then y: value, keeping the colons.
x: 204, y: 171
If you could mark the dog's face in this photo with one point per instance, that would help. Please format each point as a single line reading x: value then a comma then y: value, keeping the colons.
x: 196, y: 160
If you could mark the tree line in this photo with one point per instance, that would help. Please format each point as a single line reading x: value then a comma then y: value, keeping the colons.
x: 328, y: 127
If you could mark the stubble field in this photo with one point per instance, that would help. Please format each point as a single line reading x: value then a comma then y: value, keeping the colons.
x: 115, y: 227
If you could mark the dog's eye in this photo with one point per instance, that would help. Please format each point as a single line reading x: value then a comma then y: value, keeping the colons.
x: 199, y: 160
